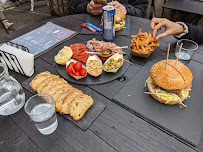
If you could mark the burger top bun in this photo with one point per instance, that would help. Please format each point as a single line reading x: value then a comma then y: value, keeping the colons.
x: 175, y: 76
x: 119, y: 15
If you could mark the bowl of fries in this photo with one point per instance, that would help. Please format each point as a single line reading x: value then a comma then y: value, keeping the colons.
x: 143, y: 44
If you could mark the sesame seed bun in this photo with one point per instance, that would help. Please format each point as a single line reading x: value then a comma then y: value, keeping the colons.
x: 174, y: 76
x: 119, y: 15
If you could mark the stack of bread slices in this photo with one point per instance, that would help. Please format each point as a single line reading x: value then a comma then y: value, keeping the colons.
x: 67, y: 99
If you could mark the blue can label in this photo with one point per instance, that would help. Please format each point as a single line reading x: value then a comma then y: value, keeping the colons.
x: 108, y: 23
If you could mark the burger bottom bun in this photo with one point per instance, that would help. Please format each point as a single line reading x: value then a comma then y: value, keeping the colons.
x: 165, y: 101
x: 118, y: 26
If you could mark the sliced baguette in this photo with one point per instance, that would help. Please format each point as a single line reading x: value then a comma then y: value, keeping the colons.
x: 79, y: 106
x: 51, y: 84
x: 43, y: 83
x: 38, y: 79
x: 58, y: 102
x: 56, y: 87
x: 65, y: 107
x: 58, y: 92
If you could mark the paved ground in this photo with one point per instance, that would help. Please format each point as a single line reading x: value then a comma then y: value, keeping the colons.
x: 22, y: 17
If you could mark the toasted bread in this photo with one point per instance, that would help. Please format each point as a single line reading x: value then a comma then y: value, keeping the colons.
x: 79, y: 106
x: 56, y: 87
x: 43, y: 83
x: 38, y: 79
x: 58, y: 102
x: 58, y: 92
x: 51, y: 84
x: 65, y: 108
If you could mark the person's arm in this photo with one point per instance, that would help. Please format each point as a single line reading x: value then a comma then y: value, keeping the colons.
x: 195, y: 33
x: 88, y: 7
x: 178, y: 29
x: 137, y: 8
x: 81, y: 6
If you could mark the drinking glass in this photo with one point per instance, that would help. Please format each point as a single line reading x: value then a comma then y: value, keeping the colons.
x: 188, y: 49
x: 40, y: 109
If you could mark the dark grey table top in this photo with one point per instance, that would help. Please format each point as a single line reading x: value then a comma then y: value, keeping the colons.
x: 191, y: 6
x: 116, y: 129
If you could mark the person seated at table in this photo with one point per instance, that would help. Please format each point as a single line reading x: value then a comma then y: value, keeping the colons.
x: 132, y: 7
x: 178, y: 29
x: 6, y: 23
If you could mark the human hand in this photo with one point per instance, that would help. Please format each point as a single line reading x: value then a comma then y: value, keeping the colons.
x: 94, y: 9
x: 119, y: 6
x: 171, y: 28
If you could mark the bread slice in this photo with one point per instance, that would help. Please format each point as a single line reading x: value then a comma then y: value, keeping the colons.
x: 58, y: 92
x: 79, y: 106
x: 51, y: 84
x: 65, y: 107
x: 56, y: 87
x: 38, y: 79
x: 43, y: 83
x: 58, y: 102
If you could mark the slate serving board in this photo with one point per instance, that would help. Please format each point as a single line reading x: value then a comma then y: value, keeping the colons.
x: 89, y: 117
x: 96, y: 20
x: 90, y: 80
x: 183, y: 123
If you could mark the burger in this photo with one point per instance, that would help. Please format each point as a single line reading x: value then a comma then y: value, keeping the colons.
x: 169, y: 84
x: 119, y: 20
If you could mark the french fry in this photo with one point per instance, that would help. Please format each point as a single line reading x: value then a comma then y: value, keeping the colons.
x: 137, y: 44
x: 140, y: 34
x: 148, y: 38
x: 152, y: 45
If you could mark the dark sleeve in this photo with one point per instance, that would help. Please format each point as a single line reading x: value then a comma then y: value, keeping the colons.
x: 81, y: 6
x: 137, y: 8
x: 195, y: 33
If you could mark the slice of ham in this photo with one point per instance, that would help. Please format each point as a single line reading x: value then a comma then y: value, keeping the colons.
x: 94, y: 45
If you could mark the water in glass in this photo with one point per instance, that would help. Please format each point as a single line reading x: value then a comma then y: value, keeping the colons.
x: 45, y: 123
x: 12, y: 96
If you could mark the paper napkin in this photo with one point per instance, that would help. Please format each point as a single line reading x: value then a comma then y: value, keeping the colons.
x: 17, y: 59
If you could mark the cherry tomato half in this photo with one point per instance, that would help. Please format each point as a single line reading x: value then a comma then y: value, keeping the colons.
x: 76, y: 73
x: 77, y: 66
x: 69, y: 68
x: 83, y: 72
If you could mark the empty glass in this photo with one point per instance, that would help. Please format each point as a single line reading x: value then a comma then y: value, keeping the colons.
x: 40, y: 109
x: 12, y: 96
x: 188, y: 49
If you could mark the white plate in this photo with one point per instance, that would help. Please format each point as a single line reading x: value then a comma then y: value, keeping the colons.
x: 76, y: 77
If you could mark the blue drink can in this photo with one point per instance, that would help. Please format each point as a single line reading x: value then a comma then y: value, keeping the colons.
x: 108, y: 22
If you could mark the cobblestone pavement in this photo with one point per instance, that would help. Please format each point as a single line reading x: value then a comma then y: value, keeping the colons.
x: 21, y: 16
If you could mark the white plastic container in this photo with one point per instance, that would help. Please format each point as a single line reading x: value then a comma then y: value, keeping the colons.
x: 94, y: 57
x: 76, y: 77
x: 115, y: 57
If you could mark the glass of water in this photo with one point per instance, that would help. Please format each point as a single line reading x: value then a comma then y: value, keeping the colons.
x: 188, y: 49
x: 40, y: 109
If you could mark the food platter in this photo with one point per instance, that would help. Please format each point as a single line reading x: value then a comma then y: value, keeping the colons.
x: 90, y: 80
